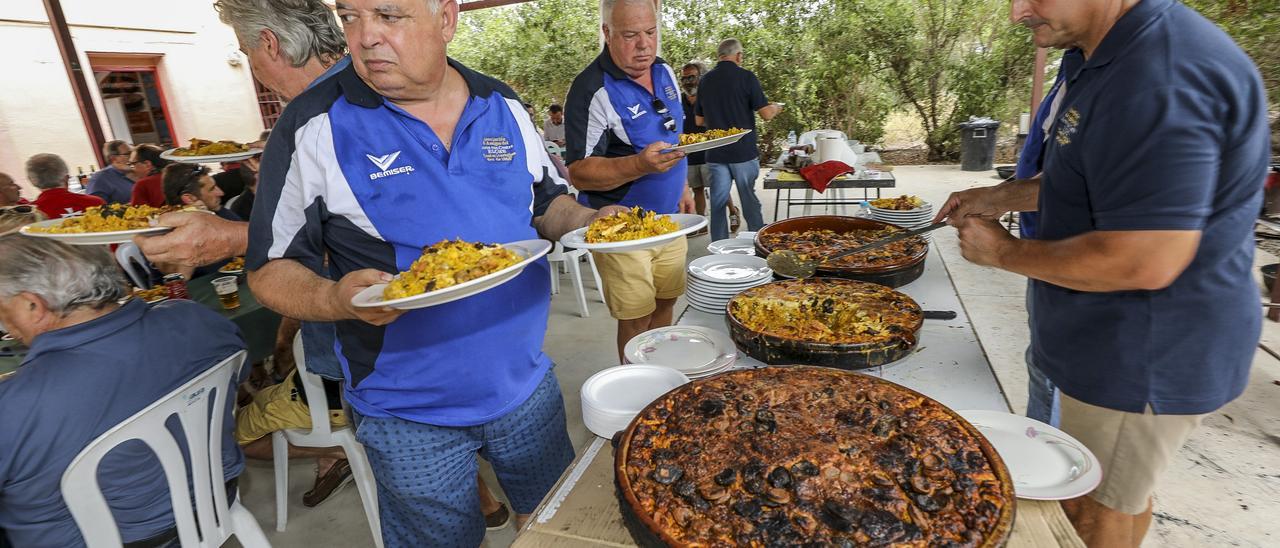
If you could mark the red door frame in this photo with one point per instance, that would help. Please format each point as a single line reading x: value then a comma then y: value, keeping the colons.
x: 155, y: 70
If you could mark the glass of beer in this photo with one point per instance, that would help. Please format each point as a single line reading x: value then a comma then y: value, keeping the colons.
x: 228, y: 292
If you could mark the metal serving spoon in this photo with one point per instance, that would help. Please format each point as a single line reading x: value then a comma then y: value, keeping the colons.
x: 794, y: 265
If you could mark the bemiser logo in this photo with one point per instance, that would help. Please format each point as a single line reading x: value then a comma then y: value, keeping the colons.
x: 384, y: 163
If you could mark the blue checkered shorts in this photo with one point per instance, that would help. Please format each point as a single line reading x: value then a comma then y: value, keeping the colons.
x: 427, y: 474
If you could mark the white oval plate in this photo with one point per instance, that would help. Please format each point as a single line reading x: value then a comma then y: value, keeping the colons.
x: 687, y: 223
x: 732, y: 246
x: 731, y: 269
x: 689, y: 350
x: 694, y: 280
x: 90, y: 238
x: 711, y: 295
x: 627, y: 389
x: 1044, y: 462
x: 212, y: 159
x: 708, y: 145
x: 531, y: 250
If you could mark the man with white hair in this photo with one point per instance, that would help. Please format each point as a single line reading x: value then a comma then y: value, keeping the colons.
x: 92, y: 364
x: 622, y: 113
x: 113, y: 183
x: 49, y: 173
x: 401, y: 150
x: 730, y: 97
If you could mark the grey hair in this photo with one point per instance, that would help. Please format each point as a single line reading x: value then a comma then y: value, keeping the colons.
x: 306, y: 29
x: 606, y: 9
x: 729, y: 48
x: 65, y: 276
x: 109, y: 148
x: 696, y: 65
x: 47, y: 171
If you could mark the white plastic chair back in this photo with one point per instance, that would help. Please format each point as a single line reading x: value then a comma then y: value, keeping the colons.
x: 134, y: 264
x: 212, y: 521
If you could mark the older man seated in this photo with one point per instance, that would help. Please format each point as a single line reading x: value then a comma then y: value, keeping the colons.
x: 49, y: 173
x: 92, y: 364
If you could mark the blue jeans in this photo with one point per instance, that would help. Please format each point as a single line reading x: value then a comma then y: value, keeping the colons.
x: 318, y: 340
x: 723, y: 176
x: 426, y: 474
x: 1042, y: 396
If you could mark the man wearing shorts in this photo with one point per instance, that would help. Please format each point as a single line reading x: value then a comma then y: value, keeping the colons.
x: 623, y: 111
x: 1144, y: 308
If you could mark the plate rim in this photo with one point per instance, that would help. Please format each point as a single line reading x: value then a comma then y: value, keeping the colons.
x: 514, y: 270
x: 574, y: 238
x: 209, y: 159
x: 596, y: 378
x: 749, y: 244
x: 98, y: 238
x: 700, y: 263
x: 714, y: 143
x: 717, y: 337
x: 1085, y: 483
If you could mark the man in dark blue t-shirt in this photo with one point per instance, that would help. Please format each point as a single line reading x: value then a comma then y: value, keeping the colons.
x: 730, y: 97
x: 1144, y: 309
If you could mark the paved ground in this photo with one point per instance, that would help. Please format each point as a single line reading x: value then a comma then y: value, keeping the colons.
x: 1224, y: 488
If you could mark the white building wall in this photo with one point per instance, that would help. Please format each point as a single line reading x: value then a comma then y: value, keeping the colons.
x: 206, y: 96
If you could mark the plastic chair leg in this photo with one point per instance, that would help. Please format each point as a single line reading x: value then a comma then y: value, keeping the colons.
x: 280, y: 459
x: 555, y: 277
x: 245, y: 527
x: 575, y: 270
x: 365, y: 484
x: 596, y: 274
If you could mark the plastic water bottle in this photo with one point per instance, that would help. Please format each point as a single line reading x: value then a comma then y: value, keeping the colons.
x: 791, y: 138
x: 864, y: 210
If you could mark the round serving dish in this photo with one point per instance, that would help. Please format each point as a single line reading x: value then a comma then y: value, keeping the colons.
x: 641, y: 519
x: 893, y: 275
x: 778, y: 350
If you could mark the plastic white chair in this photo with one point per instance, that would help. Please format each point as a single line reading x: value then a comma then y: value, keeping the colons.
x: 134, y: 264
x: 322, y: 435
x: 560, y: 258
x: 212, y: 521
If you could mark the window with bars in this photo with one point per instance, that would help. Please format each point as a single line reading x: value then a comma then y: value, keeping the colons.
x: 270, y: 105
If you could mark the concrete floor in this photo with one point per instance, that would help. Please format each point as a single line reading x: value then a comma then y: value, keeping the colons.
x: 1223, y: 489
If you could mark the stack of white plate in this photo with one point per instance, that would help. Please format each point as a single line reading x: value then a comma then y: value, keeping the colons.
x: 715, y: 279
x: 908, y: 219
x: 695, y: 351
x: 611, y: 398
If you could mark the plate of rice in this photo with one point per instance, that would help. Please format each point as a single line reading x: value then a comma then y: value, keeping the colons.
x: 450, y: 270
x: 101, y: 225
x: 632, y: 230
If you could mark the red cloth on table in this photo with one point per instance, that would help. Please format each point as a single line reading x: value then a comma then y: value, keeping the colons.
x: 148, y: 190
x: 820, y: 175
x: 56, y: 203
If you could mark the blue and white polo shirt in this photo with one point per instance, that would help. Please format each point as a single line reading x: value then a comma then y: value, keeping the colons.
x: 349, y: 174
x: 608, y: 114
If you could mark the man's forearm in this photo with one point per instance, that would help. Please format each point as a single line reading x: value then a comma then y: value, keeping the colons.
x: 1018, y: 195
x: 1105, y: 261
x: 598, y: 173
x: 564, y: 215
x: 293, y: 290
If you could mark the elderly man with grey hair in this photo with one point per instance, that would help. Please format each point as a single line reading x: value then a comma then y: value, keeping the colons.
x: 92, y: 364
x: 49, y: 173
x: 113, y: 183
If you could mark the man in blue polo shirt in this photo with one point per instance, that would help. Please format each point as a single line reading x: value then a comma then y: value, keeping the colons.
x: 730, y: 97
x: 623, y: 110
x: 92, y: 364
x: 113, y: 183
x: 1145, y: 313
x: 401, y: 150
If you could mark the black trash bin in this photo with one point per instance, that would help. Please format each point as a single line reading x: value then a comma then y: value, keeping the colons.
x: 978, y: 144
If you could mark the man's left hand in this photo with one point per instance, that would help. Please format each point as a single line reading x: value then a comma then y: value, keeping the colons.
x: 607, y: 211
x: 982, y: 241
x: 197, y: 239
x: 686, y: 201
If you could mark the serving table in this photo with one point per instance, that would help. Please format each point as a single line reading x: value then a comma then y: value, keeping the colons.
x: 949, y: 365
x: 783, y: 180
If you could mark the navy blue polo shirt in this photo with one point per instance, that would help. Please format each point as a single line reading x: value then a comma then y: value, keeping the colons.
x: 608, y: 114
x: 728, y: 97
x: 349, y: 174
x: 1163, y: 128
x: 80, y: 381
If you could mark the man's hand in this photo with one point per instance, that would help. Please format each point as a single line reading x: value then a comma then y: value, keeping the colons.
x: 687, y: 205
x: 606, y: 211
x: 355, y: 282
x: 198, y: 239
x: 983, y: 241
x: 653, y: 160
x: 975, y: 202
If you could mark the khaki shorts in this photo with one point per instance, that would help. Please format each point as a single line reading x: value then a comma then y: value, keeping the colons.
x: 633, y: 281
x: 698, y: 176
x: 277, y: 407
x: 1134, y: 449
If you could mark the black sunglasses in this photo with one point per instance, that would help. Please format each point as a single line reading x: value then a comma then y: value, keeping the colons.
x: 668, y: 122
x: 17, y: 210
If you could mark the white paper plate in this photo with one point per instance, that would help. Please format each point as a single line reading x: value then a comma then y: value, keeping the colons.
x: 1044, y: 462
x: 713, y: 295
x: 91, y: 238
x: 212, y: 159
x: 687, y: 223
x: 708, y: 145
x: 689, y: 350
x: 694, y: 280
x: 730, y: 269
x: 531, y: 250
x: 623, y: 391
x: 732, y: 246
